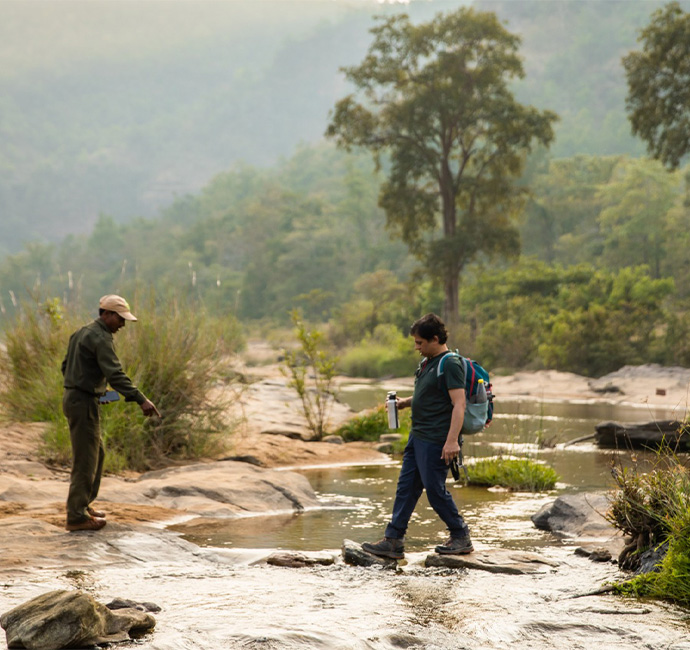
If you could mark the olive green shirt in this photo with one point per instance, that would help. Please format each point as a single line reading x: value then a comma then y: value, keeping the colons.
x: 432, y: 408
x: 91, y: 363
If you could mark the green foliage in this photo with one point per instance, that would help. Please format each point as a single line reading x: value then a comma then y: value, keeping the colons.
x: 653, y: 508
x: 436, y: 98
x: 173, y: 353
x: 310, y: 371
x: 610, y: 322
x: 371, y: 424
x: 386, y: 352
x: 31, y: 386
x: 577, y: 319
x: 658, y: 100
x: 519, y: 474
x: 314, y: 216
x: 633, y: 222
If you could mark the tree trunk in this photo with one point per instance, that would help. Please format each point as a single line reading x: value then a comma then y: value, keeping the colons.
x: 451, y: 312
x: 451, y: 305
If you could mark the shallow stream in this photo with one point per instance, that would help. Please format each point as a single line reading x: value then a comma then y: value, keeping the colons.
x: 257, y: 606
x: 221, y: 595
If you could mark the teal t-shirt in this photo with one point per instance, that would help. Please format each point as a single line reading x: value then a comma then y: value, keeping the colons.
x: 431, y: 405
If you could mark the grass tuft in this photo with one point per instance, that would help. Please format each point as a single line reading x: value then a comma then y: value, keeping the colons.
x: 519, y: 474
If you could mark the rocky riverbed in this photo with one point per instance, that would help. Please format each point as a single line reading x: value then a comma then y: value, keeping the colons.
x: 234, y: 598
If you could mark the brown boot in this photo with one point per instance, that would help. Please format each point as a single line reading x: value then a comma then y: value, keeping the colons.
x: 95, y: 513
x: 95, y: 523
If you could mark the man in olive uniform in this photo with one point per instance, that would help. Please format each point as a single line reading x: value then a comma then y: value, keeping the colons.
x: 89, y: 365
x: 438, y: 412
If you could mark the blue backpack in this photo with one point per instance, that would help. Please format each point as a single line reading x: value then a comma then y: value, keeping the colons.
x: 477, y: 416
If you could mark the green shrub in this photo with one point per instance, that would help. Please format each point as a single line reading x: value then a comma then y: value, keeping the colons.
x: 371, y: 424
x: 519, y: 474
x: 30, y: 376
x: 387, y: 353
x: 653, y: 508
x: 174, y: 353
x: 310, y: 370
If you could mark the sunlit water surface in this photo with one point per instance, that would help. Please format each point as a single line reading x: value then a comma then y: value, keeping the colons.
x: 224, y: 597
x: 257, y: 606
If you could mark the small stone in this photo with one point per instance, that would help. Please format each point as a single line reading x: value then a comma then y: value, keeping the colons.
x: 124, y: 603
x: 390, y: 437
x: 333, y: 439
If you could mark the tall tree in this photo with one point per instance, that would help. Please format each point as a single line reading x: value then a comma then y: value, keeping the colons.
x: 435, y: 97
x: 658, y: 100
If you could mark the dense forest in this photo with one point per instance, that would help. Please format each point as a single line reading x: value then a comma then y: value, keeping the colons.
x: 119, y: 108
x: 270, y: 216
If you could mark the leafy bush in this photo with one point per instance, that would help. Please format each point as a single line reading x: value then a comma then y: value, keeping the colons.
x: 371, y: 424
x: 174, y: 353
x: 310, y: 371
x: 519, y: 474
x: 31, y: 388
x: 652, y: 509
x: 386, y: 353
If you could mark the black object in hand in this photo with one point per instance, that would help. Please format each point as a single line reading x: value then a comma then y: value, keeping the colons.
x: 455, y: 468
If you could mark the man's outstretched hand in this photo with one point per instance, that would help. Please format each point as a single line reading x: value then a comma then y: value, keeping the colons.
x: 149, y: 409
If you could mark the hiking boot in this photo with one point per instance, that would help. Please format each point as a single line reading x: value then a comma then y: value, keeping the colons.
x: 456, y: 546
x: 95, y: 513
x: 95, y: 523
x: 387, y: 547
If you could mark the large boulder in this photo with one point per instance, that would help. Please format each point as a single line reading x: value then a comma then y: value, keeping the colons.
x: 70, y: 619
x: 576, y: 515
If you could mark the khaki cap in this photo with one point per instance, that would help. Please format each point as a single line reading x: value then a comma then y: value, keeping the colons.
x: 117, y: 304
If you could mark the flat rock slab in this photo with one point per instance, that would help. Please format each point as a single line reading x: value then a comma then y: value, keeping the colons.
x: 495, y: 560
x: 353, y: 553
x: 298, y: 560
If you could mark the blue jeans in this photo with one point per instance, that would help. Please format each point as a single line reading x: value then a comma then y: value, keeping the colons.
x: 424, y: 469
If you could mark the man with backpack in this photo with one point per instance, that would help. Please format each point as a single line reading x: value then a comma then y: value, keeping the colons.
x: 438, y: 411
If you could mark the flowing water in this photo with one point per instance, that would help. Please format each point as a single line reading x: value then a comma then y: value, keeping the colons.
x: 220, y: 595
x: 256, y: 606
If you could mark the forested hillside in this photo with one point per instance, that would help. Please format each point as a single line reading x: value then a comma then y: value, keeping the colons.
x: 195, y: 167
x: 119, y: 108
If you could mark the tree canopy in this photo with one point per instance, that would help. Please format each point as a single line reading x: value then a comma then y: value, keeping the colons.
x: 435, y: 99
x: 658, y: 100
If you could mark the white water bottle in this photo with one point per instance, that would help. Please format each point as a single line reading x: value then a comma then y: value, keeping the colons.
x: 392, y: 406
x: 480, y: 397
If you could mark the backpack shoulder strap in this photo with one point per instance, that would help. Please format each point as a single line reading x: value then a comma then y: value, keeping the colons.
x: 450, y: 353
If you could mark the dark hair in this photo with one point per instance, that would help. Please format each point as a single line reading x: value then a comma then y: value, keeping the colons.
x: 101, y: 311
x: 429, y: 326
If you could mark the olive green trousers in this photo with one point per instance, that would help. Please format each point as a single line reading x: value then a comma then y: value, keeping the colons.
x: 81, y: 411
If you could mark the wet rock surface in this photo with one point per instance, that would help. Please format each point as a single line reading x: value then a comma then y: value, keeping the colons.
x: 575, y: 515
x: 646, y: 435
x: 354, y: 554
x: 494, y: 561
x: 296, y: 560
x: 70, y: 619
